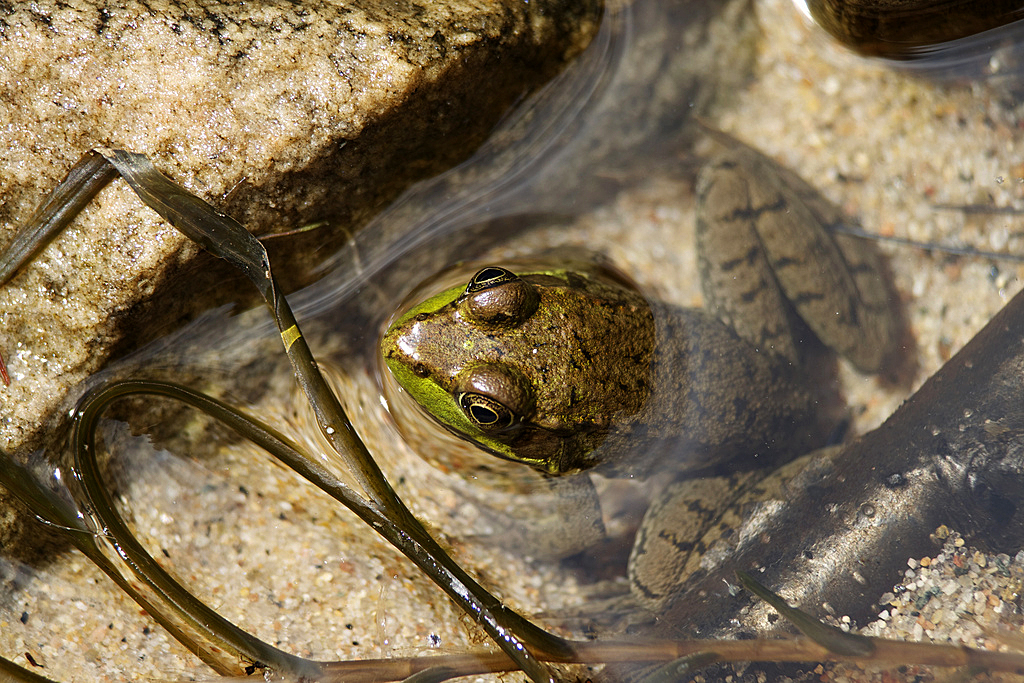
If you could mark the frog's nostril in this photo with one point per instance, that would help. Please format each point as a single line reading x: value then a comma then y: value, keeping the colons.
x: 421, y: 370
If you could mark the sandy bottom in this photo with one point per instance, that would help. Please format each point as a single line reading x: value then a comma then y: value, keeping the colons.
x: 280, y: 559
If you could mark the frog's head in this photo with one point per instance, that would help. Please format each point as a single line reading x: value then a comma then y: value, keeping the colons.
x: 535, y: 367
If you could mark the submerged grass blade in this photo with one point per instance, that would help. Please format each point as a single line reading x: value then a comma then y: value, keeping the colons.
x: 226, y: 238
x: 83, y: 182
x: 829, y: 637
x: 207, y: 633
x: 63, y: 517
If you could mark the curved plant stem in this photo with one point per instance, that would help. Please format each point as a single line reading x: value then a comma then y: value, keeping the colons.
x: 219, y: 643
x: 226, y: 238
x: 97, y: 528
x: 445, y: 572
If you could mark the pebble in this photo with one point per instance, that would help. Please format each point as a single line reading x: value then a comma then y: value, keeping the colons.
x: 962, y: 596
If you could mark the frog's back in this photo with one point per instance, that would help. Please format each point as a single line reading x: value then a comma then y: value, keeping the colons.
x: 716, y: 398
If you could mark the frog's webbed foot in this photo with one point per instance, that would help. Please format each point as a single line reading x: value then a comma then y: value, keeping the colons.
x: 766, y: 253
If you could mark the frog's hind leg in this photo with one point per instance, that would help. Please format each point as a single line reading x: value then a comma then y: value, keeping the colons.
x: 686, y: 521
x: 766, y: 251
x: 696, y: 526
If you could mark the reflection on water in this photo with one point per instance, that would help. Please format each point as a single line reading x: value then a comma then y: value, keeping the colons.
x: 254, y: 542
x: 949, y: 41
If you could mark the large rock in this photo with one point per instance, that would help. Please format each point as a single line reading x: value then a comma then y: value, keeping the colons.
x: 279, y: 114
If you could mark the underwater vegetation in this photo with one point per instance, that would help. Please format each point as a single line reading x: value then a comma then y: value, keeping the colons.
x: 937, y: 461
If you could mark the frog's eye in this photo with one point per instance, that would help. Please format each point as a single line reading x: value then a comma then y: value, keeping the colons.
x: 494, y: 398
x: 486, y: 413
x: 488, y: 277
x: 496, y: 296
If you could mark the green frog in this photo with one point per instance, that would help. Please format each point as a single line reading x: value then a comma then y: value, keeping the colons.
x: 566, y: 367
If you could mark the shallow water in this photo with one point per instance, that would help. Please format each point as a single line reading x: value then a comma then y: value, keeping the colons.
x: 258, y: 544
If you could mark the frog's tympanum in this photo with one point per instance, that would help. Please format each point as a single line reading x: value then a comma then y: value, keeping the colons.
x: 568, y: 367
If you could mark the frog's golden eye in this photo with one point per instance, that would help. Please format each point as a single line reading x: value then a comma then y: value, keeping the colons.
x: 496, y: 296
x: 494, y: 398
x: 490, y: 276
x: 486, y: 413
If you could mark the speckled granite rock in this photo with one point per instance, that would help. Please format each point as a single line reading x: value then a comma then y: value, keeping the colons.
x: 280, y: 114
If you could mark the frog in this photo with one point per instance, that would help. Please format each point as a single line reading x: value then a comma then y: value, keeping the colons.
x: 566, y: 367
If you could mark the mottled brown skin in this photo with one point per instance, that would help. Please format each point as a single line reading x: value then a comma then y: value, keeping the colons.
x: 572, y: 367
x: 769, y: 266
x: 770, y: 263
x: 597, y: 376
x: 715, y: 399
x: 632, y: 388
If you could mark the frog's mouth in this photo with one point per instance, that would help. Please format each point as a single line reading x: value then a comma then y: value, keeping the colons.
x: 548, y: 453
x: 554, y: 454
